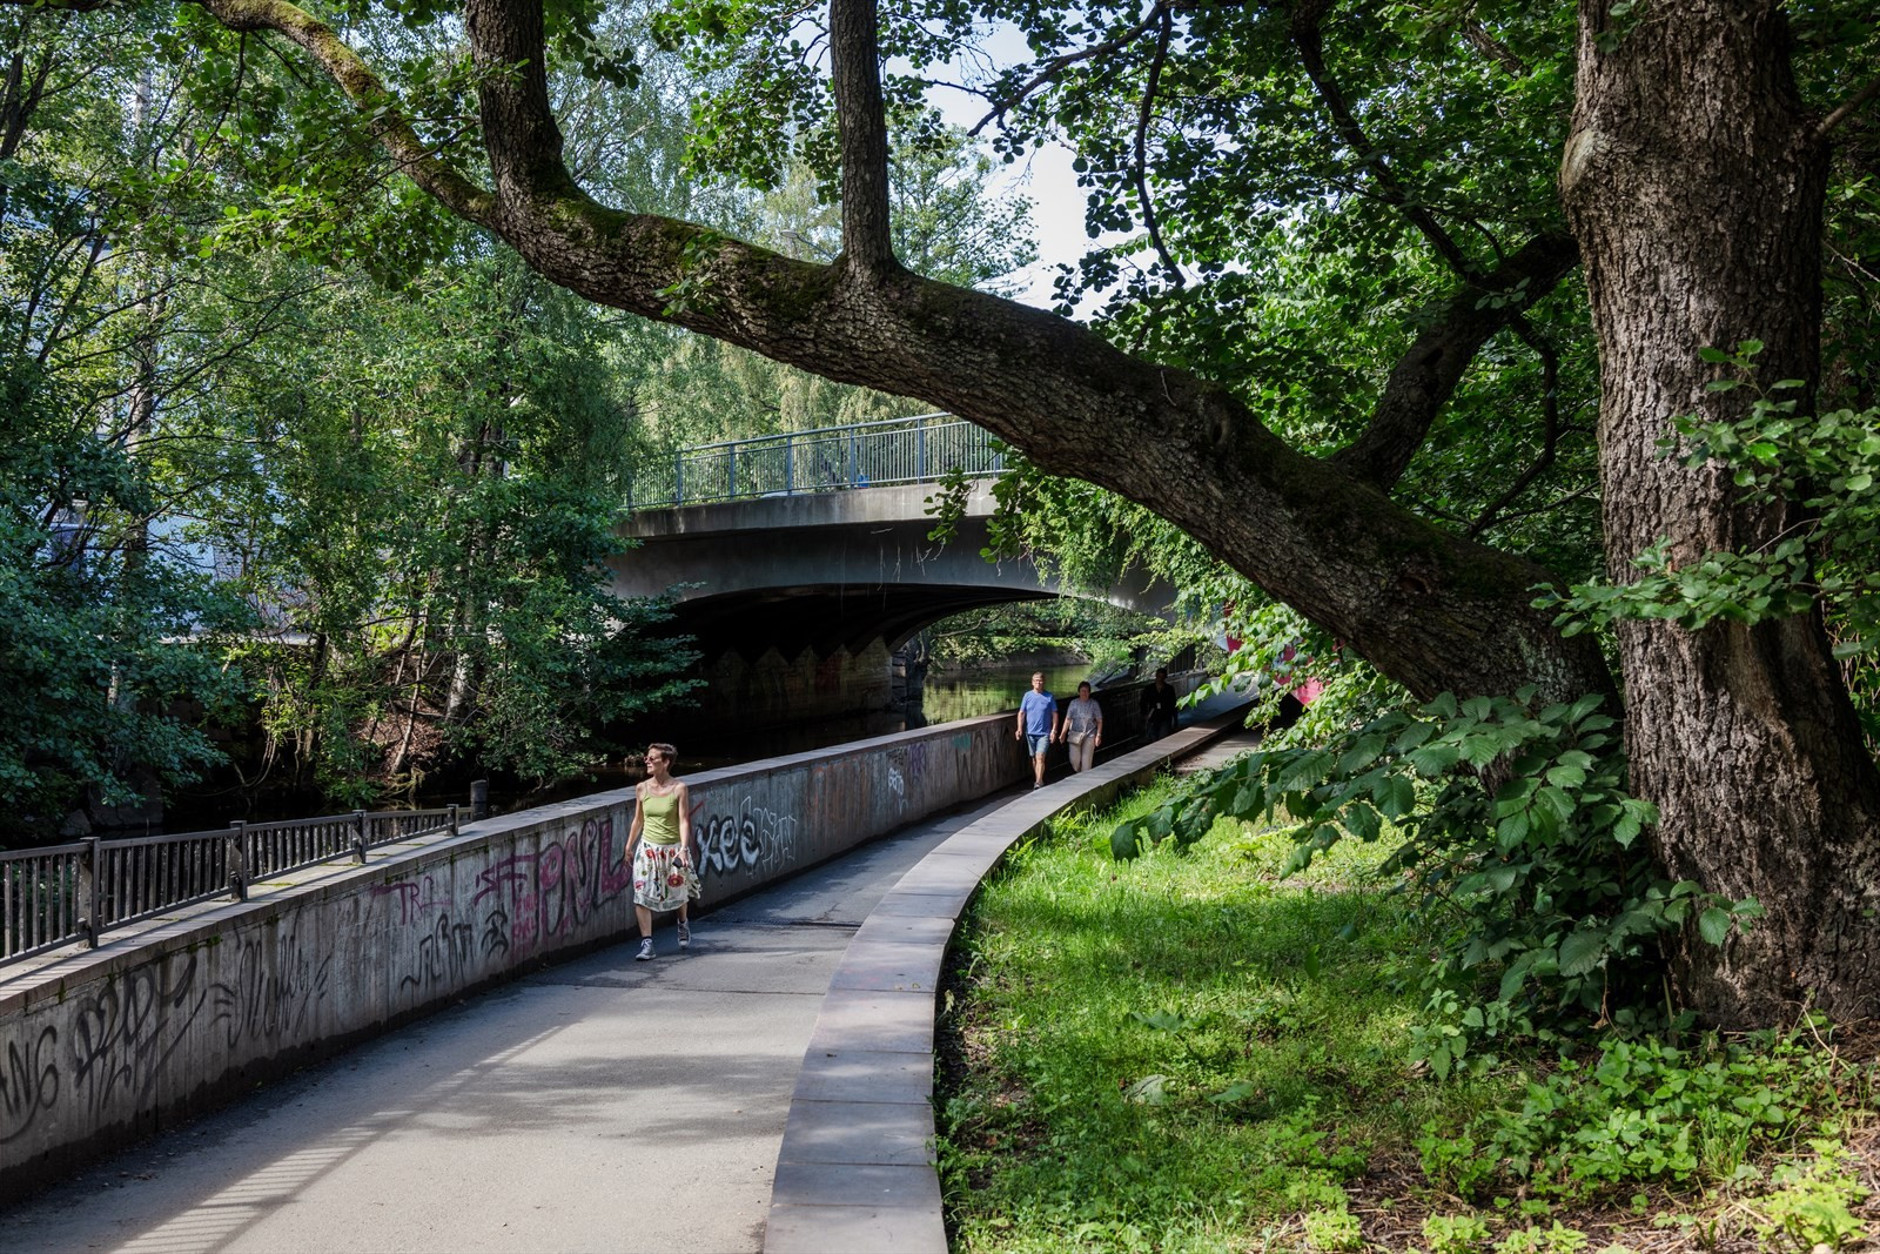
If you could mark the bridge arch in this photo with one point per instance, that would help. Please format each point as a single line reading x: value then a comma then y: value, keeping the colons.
x: 797, y: 600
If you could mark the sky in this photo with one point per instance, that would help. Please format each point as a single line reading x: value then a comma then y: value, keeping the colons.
x: 1044, y: 177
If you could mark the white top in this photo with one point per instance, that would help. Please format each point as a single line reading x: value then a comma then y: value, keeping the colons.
x: 1081, y: 716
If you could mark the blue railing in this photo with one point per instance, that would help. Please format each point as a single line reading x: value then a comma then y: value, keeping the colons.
x: 865, y: 454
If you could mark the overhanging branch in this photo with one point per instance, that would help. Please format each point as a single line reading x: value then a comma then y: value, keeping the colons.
x: 1309, y: 41
x: 1426, y: 376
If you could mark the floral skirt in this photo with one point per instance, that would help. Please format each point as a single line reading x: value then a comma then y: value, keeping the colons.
x: 660, y: 880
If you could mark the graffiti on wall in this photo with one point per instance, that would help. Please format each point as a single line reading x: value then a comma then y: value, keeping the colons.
x: 751, y: 837
x: 267, y: 1003
x: 518, y: 903
x: 122, y: 1035
x: 554, y: 892
x: 29, y: 1082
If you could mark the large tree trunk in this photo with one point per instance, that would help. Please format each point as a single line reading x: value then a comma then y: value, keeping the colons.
x: 1694, y: 180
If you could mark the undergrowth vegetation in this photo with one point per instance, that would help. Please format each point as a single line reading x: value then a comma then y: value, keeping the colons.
x: 1210, y: 1048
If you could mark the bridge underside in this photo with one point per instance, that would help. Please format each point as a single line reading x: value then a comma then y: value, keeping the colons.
x: 830, y: 617
x: 798, y: 602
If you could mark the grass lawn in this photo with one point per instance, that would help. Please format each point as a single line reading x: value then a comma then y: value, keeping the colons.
x: 1188, y: 1053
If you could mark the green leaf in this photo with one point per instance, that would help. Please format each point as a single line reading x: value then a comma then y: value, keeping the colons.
x: 1397, y: 797
x: 1432, y: 760
x: 1581, y: 951
x: 1714, y: 925
x: 1362, y: 821
x: 1124, y: 844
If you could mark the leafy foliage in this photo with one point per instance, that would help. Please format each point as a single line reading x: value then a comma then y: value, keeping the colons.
x: 1516, y: 825
x: 1644, y: 1112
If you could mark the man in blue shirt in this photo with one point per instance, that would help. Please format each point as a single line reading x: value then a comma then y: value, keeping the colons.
x: 1037, y: 724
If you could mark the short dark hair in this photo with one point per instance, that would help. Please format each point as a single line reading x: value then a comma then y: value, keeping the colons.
x: 664, y: 750
x: 1084, y: 686
x: 1161, y: 672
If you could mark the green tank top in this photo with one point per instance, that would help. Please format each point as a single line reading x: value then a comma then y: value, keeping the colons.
x: 661, y: 818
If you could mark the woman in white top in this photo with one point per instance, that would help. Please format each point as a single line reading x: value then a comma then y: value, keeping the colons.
x: 1082, y: 729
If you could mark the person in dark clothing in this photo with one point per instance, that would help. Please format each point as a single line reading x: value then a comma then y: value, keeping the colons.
x: 1158, y: 707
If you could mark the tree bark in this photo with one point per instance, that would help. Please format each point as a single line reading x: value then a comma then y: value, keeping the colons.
x: 1694, y: 180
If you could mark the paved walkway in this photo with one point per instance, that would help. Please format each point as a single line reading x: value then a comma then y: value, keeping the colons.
x: 600, y: 1104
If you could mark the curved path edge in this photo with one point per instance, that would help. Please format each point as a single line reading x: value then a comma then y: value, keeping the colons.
x: 856, y: 1171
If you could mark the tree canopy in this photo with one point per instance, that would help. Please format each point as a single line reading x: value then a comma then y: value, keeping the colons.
x: 1362, y: 277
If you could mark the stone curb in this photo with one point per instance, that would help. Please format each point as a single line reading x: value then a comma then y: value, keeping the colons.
x: 856, y: 1172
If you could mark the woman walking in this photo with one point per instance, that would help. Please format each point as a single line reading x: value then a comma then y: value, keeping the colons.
x: 1083, y: 728
x: 659, y: 846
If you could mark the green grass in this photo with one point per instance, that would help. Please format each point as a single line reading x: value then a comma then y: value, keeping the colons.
x: 1187, y: 1053
x: 1178, y: 1052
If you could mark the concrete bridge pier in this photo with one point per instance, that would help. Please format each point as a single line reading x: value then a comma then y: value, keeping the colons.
x: 772, y: 689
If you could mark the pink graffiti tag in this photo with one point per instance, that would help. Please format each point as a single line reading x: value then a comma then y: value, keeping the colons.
x: 556, y: 891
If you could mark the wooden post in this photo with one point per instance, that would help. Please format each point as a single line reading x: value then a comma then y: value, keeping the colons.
x: 479, y: 800
x: 359, y: 836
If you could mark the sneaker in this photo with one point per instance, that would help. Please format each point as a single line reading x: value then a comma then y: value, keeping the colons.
x: 646, y: 950
x: 685, y: 934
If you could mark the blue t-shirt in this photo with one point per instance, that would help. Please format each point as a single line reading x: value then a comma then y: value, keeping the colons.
x: 1038, y: 707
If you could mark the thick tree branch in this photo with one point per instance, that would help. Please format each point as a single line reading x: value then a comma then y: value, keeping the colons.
x: 364, y: 89
x: 1426, y: 376
x: 1309, y: 41
x: 1847, y: 108
x: 1494, y: 49
x: 867, y: 240
x: 1433, y: 610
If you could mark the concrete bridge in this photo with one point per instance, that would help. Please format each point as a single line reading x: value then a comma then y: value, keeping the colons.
x: 803, y: 561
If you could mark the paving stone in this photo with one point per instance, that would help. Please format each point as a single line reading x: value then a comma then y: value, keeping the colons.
x: 855, y: 1230
x: 868, y: 1019
x: 889, y: 1134
x: 926, y: 931
x: 890, y: 967
x: 845, y: 1184
x: 943, y: 905
x: 854, y: 1075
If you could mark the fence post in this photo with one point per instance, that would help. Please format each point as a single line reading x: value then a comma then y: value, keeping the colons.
x: 88, y: 891
x: 678, y: 477
x: 453, y: 818
x: 852, y: 457
x: 920, y: 450
x: 359, y: 836
x: 731, y: 472
x: 237, y: 843
x: 789, y: 465
x: 479, y: 799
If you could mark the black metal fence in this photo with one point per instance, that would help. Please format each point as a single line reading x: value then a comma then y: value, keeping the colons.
x: 64, y: 894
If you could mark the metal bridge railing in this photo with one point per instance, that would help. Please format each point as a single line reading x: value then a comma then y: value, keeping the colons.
x: 862, y: 455
x: 62, y: 894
